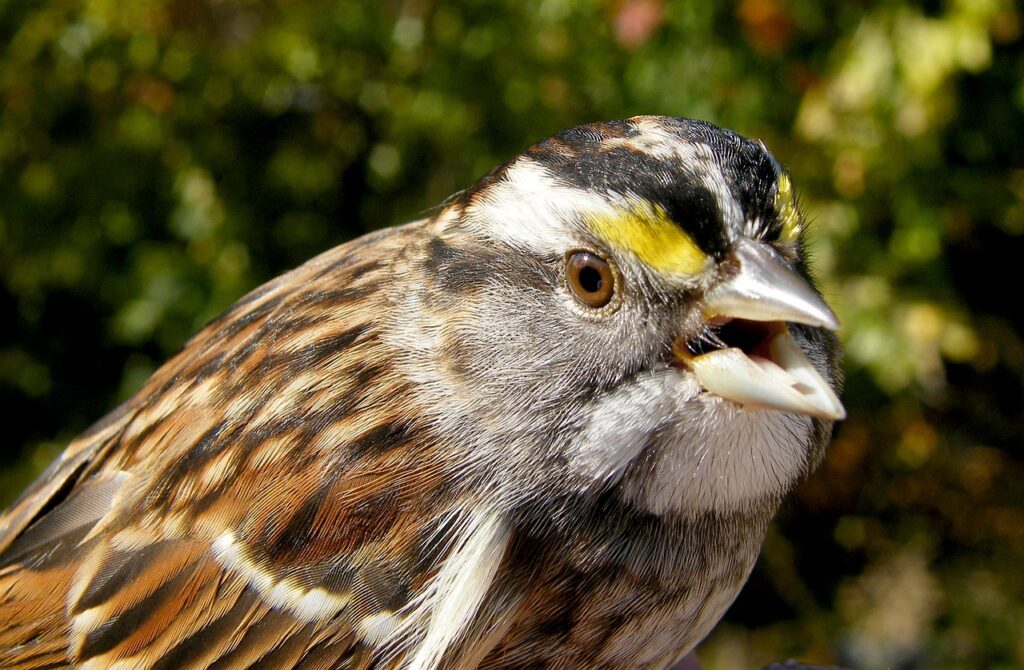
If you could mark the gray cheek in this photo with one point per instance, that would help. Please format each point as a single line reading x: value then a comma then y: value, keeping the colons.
x: 533, y: 348
x: 624, y: 423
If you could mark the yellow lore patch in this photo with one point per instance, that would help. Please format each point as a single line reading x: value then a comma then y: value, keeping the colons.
x: 647, y: 231
x: 785, y: 205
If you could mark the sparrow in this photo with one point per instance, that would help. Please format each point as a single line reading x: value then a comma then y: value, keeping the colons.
x: 545, y: 426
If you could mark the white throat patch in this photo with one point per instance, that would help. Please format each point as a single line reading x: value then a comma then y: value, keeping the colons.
x: 714, y: 455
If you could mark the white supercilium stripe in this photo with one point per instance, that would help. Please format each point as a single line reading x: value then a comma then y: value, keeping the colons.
x: 523, y: 208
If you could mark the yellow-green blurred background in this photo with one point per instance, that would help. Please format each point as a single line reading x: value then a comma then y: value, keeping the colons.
x: 158, y: 158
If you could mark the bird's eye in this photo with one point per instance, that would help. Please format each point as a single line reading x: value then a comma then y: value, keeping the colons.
x: 590, y: 278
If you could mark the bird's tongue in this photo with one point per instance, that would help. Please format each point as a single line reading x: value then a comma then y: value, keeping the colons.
x: 786, y: 380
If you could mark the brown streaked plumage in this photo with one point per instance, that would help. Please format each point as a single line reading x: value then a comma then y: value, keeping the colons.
x: 427, y: 448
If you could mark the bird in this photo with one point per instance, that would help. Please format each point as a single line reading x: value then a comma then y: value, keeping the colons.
x: 546, y: 425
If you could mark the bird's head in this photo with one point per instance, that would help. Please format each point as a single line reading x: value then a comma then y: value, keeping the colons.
x: 628, y: 305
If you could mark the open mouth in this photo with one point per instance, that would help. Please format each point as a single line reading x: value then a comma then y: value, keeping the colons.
x: 752, y: 337
x: 744, y: 352
x: 757, y: 364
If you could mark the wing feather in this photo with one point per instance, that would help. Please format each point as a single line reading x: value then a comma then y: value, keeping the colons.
x: 267, y: 500
x: 62, y: 475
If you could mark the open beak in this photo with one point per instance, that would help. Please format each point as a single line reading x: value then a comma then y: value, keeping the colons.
x: 766, y: 368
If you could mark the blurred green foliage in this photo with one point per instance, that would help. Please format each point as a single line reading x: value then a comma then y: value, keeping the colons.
x: 160, y: 157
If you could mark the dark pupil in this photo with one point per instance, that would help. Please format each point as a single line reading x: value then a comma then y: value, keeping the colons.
x: 590, y: 279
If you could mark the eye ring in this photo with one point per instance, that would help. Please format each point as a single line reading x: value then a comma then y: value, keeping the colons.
x: 590, y: 278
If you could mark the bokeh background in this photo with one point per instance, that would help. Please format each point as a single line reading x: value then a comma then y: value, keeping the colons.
x: 158, y: 158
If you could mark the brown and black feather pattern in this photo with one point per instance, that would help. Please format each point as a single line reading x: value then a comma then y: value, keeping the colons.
x: 280, y: 423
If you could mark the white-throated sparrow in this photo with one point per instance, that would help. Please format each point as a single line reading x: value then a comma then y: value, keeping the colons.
x: 545, y: 427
